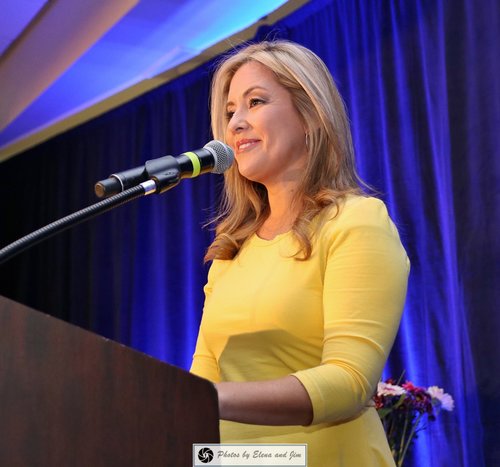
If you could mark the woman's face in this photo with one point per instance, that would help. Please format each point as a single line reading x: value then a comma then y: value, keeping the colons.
x: 264, y: 128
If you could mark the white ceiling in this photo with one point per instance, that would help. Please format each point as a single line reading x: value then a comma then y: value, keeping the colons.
x: 16, y: 15
x: 63, y: 62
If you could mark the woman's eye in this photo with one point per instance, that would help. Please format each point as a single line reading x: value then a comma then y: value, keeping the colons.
x: 229, y: 114
x: 255, y: 101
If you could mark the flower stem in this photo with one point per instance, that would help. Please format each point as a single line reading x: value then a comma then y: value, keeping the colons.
x: 402, y: 443
x: 410, y: 437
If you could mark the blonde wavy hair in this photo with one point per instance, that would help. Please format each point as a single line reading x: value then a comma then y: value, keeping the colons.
x: 330, y: 172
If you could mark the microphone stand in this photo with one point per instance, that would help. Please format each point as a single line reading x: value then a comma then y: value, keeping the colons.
x: 146, y: 188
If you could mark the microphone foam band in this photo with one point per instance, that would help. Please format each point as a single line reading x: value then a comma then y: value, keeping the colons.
x: 223, y: 155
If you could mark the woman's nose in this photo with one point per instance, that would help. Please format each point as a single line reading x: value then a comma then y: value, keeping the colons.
x: 238, y: 122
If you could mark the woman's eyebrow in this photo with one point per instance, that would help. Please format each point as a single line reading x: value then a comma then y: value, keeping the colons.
x: 247, y: 92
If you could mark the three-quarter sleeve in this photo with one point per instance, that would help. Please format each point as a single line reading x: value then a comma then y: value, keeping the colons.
x: 364, y: 289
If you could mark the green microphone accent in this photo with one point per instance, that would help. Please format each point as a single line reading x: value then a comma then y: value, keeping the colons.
x: 196, y: 163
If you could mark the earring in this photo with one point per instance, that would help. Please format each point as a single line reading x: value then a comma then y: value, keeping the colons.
x: 307, y: 141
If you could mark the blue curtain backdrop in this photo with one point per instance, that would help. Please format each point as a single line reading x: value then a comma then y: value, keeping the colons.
x: 420, y: 79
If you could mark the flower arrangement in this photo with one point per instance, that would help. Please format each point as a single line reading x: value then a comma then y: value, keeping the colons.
x: 403, y: 410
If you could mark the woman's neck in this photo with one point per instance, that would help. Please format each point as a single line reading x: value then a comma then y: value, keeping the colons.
x: 283, y: 211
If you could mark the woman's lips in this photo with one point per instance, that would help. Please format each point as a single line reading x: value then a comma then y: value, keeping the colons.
x: 246, y: 144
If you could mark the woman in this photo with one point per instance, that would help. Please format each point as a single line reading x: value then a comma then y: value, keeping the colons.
x: 308, y: 280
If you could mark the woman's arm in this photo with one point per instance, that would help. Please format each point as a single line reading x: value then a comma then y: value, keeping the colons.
x: 282, y: 401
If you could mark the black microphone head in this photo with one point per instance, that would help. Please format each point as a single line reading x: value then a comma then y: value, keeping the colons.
x: 223, y: 155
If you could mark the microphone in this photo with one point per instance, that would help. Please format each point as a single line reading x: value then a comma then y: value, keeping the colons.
x: 215, y: 157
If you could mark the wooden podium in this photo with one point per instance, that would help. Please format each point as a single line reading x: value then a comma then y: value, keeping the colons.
x: 71, y: 398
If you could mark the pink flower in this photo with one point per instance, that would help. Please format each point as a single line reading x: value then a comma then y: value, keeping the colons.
x: 386, y: 389
x: 446, y: 401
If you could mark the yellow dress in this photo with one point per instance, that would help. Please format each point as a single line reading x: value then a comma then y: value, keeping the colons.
x: 330, y: 321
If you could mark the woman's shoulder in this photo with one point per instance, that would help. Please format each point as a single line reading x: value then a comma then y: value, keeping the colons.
x: 361, y: 221
x: 356, y: 208
x: 354, y: 212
